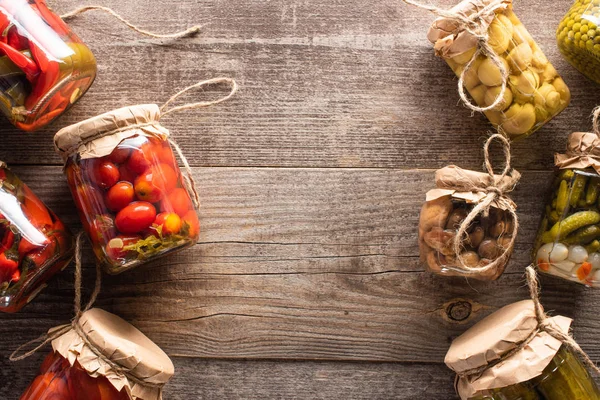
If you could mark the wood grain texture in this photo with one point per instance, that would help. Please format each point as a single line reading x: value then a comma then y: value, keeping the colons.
x: 305, y: 283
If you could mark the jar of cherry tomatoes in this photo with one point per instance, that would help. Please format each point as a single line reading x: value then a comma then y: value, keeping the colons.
x: 132, y: 198
x: 34, y: 243
x: 44, y: 66
x: 102, y: 357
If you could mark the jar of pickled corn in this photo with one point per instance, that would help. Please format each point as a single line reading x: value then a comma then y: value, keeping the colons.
x: 132, y: 198
x: 105, y: 358
x: 535, y: 93
x: 488, y: 239
x: 506, y: 357
x: 568, y: 240
x: 34, y: 243
x: 44, y: 66
x: 578, y: 37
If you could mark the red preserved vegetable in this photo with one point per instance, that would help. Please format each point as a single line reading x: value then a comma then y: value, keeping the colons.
x: 34, y: 243
x: 44, y: 67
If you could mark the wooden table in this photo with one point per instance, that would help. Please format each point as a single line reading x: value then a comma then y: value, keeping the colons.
x: 306, y: 282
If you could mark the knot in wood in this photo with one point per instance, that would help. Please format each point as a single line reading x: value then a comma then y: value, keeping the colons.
x: 459, y: 310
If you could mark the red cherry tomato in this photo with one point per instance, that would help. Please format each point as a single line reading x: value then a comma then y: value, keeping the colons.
x: 25, y: 246
x: 191, y: 219
x: 170, y: 223
x: 106, y: 174
x: 81, y: 385
x: 155, y: 182
x: 177, y: 201
x: 136, y: 217
x: 127, y: 174
x: 102, y: 229
x: 119, y: 196
x: 165, y: 155
x: 138, y: 162
x: 8, y: 269
x: 109, y: 392
x: 119, y: 155
x: 114, y: 248
x: 46, y: 386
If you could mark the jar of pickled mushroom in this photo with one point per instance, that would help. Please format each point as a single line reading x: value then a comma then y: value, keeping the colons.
x: 133, y: 201
x: 34, y: 243
x: 534, y: 92
x: 44, y: 66
x: 104, y: 358
x: 506, y: 356
x: 568, y: 240
x: 578, y: 38
x: 483, y: 247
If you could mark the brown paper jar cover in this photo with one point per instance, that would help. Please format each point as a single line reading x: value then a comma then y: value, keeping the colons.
x: 446, y: 207
x: 133, y: 200
x: 568, y: 240
x: 535, y: 92
x: 495, y: 336
x: 123, y: 345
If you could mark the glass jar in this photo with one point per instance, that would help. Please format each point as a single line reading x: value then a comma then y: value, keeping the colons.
x: 568, y: 241
x: 506, y: 356
x: 34, y: 243
x: 578, y: 38
x: 564, y: 378
x: 131, y: 197
x: 535, y: 92
x: 60, y: 381
x: 488, y: 238
x: 44, y: 66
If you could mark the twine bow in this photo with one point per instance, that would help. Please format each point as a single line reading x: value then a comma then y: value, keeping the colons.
x: 495, y: 193
x: 476, y: 25
x: 583, y: 148
x: 544, y: 324
x: 188, y: 32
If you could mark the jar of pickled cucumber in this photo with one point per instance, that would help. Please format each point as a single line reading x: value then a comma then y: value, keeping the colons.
x: 44, y: 66
x: 132, y: 198
x: 535, y: 92
x: 579, y: 39
x: 568, y: 240
x: 104, y: 358
x: 34, y: 243
x: 506, y: 357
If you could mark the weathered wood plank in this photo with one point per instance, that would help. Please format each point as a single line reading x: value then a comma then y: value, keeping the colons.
x: 323, y: 84
x: 304, y: 264
x: 249, y: 380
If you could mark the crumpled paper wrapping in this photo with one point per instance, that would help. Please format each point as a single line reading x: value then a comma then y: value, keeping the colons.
x: 449, y: 40
x: 458, y: 183
x: 99, y: 136
x: 491, y: 338
x: 583, y: 151
x: 122, y: 344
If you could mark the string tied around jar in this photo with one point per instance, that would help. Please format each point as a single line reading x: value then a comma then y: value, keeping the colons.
x: 583, y: 148
x: 495, y: 195
x: 544, y: 324
x: 76, y: 326
x: 475, y: 24
x: 81, y: 10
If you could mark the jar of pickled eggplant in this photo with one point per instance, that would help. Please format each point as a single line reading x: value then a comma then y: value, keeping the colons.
x: 133, y: 201
x: 507, y: 357
x: 535, y: 93
x: 34, y: 243
x: 104, y: 358
x: 568, y: 240
x: 44, y: 66
x: 488, y: 240
x: 578, y: 37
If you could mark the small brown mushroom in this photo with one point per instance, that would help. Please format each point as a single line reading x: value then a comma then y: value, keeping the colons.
x: 499, y: 229
x: 470, y: 259
x: 488, y: 249
x: 457, y: 216
x: 475, y: 237
x: 440, y: 240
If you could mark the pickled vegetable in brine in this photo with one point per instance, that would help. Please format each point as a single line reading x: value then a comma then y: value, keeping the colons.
x: 520, y: 391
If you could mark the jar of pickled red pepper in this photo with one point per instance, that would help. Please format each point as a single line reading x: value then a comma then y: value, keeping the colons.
x: 535, y: 93
x: 568, y: 240
x: 34, y: 243
x: 507, y: 357
x: 578, y: 38
x: 132, y: 198
x: 105, y: 358
x: 44, y: 66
